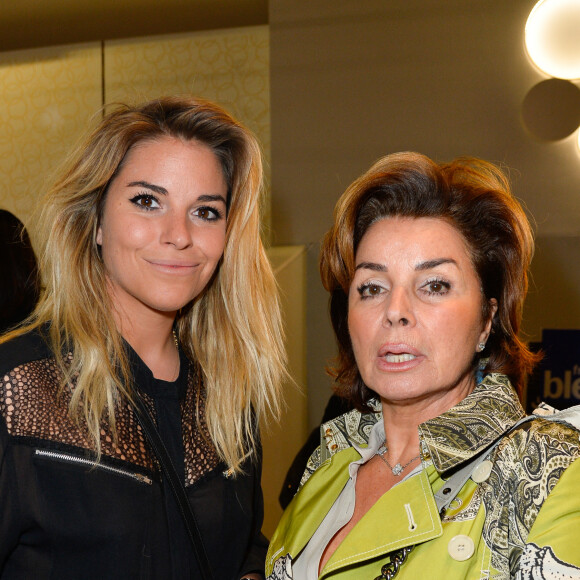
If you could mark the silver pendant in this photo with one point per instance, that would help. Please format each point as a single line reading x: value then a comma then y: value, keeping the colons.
x: 397, y: 470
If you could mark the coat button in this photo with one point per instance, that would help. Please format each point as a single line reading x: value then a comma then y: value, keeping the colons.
x: 482, y: 471
x: 461, y: 548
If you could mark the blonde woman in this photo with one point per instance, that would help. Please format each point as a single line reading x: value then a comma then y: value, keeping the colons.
x: 129, y: 401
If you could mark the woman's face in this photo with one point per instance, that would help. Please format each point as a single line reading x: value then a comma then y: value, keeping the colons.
x: 162, y: 232
x: 415, y: 313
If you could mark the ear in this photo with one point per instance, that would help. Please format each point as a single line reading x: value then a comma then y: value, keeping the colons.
x: 99, y: 238
x: 487, y: 328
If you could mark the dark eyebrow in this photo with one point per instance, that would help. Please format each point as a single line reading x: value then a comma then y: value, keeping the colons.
x: 371, y: 266
x: 207, y: 197
x: 434, y: 263
x: 163, y: 191
x: 428, y: 265
x: 155, y: 188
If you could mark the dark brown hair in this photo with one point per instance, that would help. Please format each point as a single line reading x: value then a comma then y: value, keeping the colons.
x: 472, y: 195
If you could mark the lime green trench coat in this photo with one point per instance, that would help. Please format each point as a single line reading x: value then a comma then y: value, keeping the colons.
x: 519, y: 519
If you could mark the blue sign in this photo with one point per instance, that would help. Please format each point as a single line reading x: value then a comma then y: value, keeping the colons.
x: 556, y: 380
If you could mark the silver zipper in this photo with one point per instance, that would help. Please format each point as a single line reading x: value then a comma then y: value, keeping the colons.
x: 81, y: 460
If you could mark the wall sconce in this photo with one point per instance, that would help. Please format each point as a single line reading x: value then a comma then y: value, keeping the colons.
x: 553, y: 37
x: 551, y: 109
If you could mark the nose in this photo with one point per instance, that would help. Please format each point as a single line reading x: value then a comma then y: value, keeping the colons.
x: 177, y: 230
x: 399, y: 308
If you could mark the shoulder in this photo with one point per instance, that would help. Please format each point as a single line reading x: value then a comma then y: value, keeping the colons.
x: 26, y: 348
x: 528, y: 465
x: 536, y: 454
x: 556, y: 433
x: 349, y: 428
x: 27, y: 376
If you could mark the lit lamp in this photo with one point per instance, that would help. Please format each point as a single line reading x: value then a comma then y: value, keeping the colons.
x: 551, y: 109
x: 553, y: 37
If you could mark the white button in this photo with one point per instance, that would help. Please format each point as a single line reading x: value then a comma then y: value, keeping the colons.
x: 482, y: 471
x: 461, y: 548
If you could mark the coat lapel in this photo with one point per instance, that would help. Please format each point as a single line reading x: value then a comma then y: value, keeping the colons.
x: 308, y: 508
x: 405, y: 516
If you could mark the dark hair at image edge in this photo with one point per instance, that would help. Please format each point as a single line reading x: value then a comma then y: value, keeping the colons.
x: 19, y: 284
x: 472, y: 195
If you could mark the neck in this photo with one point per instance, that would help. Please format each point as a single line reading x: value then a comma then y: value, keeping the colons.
x: 402, y: 440
x: 153, y: 341
x: 402, y: 418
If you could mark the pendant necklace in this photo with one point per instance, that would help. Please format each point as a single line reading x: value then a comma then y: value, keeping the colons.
x: 398, y: 468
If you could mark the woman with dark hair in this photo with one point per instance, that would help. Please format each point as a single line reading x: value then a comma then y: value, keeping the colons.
x: 18, y: 277
x: 130, y: 401
x: 437, y: 473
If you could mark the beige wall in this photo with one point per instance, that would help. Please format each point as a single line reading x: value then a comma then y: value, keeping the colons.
x: 47, y: 98
x: 352, y: 81
x: 554, y: 295
x: 50, y: 96
x: 283, y: 439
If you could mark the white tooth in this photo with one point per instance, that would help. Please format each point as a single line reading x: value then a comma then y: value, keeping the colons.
x: 398, y: 358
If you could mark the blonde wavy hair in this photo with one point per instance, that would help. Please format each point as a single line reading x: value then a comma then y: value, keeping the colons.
x: 233, y: 329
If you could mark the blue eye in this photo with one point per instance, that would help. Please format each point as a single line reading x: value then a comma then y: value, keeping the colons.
x: 146, y: 201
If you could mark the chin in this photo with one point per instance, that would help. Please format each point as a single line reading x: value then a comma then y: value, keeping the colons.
x: 401, y: 391
x: 172, y: 307
x: 172, y: 303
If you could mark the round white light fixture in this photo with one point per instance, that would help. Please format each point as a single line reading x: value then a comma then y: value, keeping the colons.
x: 553, y: 37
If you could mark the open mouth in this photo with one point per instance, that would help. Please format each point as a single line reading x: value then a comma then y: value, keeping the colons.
x: 399, y: 358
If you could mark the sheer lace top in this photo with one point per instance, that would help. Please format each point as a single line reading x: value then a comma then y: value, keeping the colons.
x: 34, y: 407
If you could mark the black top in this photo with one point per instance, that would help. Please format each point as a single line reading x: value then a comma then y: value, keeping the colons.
x: 62, y: 516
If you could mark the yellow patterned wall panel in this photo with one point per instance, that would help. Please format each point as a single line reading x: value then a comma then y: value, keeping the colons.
x: 49, y: 97
x: 230, y: 67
